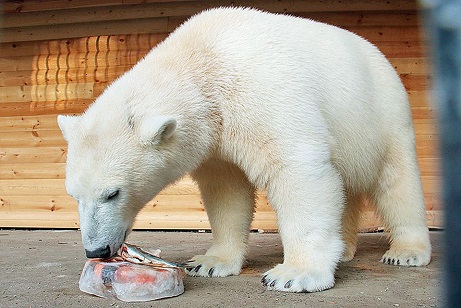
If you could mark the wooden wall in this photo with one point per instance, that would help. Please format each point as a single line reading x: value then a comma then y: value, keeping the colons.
x: 57, y: 56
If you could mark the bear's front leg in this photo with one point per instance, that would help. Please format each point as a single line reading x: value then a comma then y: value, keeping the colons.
x: 309, y: 205
x: 229, y: 201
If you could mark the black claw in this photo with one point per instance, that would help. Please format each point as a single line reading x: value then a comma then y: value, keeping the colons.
x: 197, y: 268
x: 273, y: 283
x: 263, y: 280
x: 393, y: 261
x: 389, y: 261
x: 288, y: 284
x: 189, y: 269
x: 210, y: 272
x: 398, y: 262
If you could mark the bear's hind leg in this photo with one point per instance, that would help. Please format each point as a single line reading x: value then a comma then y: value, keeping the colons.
x: 229, y: 200
x: 400, y: 203
x: 350, y: 225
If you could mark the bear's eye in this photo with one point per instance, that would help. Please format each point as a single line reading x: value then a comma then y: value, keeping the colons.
x: 113, y: 195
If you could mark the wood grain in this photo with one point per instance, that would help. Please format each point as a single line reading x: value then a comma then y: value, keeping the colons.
x: 56, y: 57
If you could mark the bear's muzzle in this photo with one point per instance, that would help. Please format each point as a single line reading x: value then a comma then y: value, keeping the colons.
x: 102, y: 253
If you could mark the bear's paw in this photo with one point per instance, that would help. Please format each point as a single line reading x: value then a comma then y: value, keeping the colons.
x: 212, y: 266
x: 349, y: 253
x: 289, y: 278
x: 407, y: 256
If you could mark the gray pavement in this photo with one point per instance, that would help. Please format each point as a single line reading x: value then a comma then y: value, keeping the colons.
x: 42, y: 269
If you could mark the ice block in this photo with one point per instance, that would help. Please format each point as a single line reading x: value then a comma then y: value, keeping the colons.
x: 131, y: 282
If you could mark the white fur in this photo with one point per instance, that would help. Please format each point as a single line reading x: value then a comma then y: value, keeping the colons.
x: 244, y: 99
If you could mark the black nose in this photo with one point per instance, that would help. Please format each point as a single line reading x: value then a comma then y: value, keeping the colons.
x: 98, y: 253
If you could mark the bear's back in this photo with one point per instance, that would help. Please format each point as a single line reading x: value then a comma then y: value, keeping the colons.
x: 278, y: 77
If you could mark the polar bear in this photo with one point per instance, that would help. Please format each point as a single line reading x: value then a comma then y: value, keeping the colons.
x: 243, y: 99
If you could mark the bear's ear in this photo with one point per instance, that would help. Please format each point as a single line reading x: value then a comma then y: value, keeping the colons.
x: 155, y: 130
x: 67, y: 124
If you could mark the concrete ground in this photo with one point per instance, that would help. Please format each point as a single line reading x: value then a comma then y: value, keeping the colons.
x: 42, y: 269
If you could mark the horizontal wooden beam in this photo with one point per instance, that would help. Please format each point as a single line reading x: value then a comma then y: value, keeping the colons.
x: 188, y: 7
x: 71, y: 106
x: 56, y: 170
x: 181, y: 13
x: 72, y: 71
x: 66, y: 31
x: 28, y: 123
x: 177, y: 220
x: 132, y: 42
x: 36, y: 155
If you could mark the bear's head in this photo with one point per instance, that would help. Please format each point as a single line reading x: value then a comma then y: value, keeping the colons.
x: 115, y: 164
